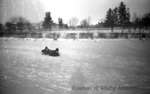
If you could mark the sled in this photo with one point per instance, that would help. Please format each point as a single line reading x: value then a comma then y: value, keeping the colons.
x: 50, y: 52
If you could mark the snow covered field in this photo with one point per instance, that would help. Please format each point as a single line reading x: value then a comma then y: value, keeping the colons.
x: 104, y: 66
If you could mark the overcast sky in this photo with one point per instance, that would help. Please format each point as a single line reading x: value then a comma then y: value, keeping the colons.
x: 34, y: 10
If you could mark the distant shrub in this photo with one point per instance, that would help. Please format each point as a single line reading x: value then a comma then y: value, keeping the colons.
x: 86, y: 35
x: 71, y: 36
x: 101, y: 35
x: 36, y: 35
x: 52, y: 35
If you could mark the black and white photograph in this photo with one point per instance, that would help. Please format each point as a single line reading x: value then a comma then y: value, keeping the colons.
x: 74, y: 46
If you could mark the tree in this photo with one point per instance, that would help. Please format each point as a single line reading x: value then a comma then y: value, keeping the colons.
x: 18, y: 24
x: 10, y: 27
x: 60, y: 22
x: 47, y: 23
x: 109, y: 21
x: 134, y: 20
x: 115, y: 16
x: 73, y: 22
x: 84, y: 23
x: 1, y: 27
x: 146, y: 20
x: 89, y: 20
x: 124, y: 15
x: 142, y: 22
x: 21, y: 23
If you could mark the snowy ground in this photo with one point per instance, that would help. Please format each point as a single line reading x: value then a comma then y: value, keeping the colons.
x: 103, y: 66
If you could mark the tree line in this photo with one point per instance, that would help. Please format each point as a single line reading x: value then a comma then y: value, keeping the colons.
x: 115, y: 17
x: 120, y: 17
x: 16, y: 24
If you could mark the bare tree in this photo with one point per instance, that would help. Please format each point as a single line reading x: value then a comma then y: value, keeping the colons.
x: 73, y: 22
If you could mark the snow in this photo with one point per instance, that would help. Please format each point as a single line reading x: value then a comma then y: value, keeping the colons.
x: 83, y: 63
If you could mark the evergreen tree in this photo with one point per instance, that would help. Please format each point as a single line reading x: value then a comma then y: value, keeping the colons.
x: 47, y: 21
x: 124, y: 15
x: 115, y: 16
x: 109, y: 22
x: 146, y: 20
x: 143, y: 22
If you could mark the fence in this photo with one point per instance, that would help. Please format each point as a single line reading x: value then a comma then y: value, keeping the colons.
x: 78, y: 35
